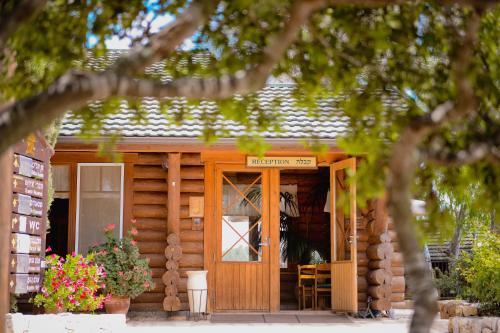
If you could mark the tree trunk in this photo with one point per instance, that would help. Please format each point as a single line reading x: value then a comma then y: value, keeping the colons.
x: 493, y: 223
x: 399, y: 181
x: 457, y: 235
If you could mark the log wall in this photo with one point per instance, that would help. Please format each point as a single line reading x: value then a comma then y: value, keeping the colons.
x: 150, y: 194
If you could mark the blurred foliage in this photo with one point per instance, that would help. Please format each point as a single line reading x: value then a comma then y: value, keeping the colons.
x: 382, y: 66
x: 475, y: 276
x: 482, y: 271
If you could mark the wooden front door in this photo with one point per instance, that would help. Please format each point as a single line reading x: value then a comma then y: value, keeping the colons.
x: 343, y: 236
x: 242, y: 268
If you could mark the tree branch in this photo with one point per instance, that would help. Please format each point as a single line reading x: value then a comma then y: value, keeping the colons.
x: 439, y: 154
x: 402, y: 166
x: 166, y: 41
x: 74, y: 90
x: 10, y: 21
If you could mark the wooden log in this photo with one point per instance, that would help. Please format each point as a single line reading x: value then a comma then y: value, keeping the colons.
x: 194, y: 186
x: 192, y: 247
x: 149, y: 172
x: 156, y: 260
x: 150, y: 236
x: 158, y: 285
x: 157, y: 272
x: 191, y: 261
x: 146, y: 198
x: 186, y: 224
x: 397, y: 259
x: 151, y: 247
x: 378, y: 277
x: 379, y: 264
x: 151, y: 224
x: 149, y: 297
x: 182, y: 285
x: 380, y: 224
x: 379, y: 251
x: 362, y: 270
x: 192, y: 172
x: 170, y: 290
x: 397, y: 297
x: 362, y: 259
x: 362, y: 246
x: 150, y: 185
x: 172, y: 265
x: 173, y: 252
x: 362, y: 284
x: 398, y: 271
x: 380, y: 292
x: 173, y: 239
x: 362, y: 297
x: 362, y: 236
x: 170, y: 277
x: 381, y: 304
x: 398, y: 284
x: 377, y: 239
x: 191, y: 159
x: 191, y: 236
x: 155, y: 211
x: 183, y: 212
x: 171, y: 303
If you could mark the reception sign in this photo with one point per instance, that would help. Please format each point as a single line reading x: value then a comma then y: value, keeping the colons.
x: 282, y: 162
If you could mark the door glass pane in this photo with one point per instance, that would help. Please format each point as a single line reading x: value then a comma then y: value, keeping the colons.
x: 99, y: 203
x: 241, y: 216
x: 342, y: 217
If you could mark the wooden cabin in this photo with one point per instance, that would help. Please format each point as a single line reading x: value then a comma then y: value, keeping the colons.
x: 229, y: 210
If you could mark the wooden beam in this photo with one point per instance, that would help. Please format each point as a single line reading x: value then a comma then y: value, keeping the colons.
x: 174, y: 193
x: 209, y: 231
x: 5, y: 218
x: 274, y: 234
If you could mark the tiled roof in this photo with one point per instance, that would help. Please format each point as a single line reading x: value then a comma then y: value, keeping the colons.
x: 439, y: 251
x: 329, y: 123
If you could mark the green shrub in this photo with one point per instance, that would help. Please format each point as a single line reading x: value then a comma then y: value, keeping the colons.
x: 482, y: 271
x: 127, y: 273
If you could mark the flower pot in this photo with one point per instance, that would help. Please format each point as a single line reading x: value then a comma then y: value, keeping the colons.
x: 197, y: 291
x: 54, y: 311
x: 117, y: 304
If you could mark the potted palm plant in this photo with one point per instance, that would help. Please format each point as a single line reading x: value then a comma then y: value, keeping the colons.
x: 128, y: 275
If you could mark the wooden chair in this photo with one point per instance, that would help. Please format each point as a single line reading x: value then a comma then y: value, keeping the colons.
x: 323, y: 282
x: 306, y: 278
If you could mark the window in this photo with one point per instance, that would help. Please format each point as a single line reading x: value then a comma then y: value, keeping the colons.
x: 99, y: 203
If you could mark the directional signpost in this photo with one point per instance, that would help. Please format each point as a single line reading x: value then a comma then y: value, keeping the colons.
x: 29, y: 209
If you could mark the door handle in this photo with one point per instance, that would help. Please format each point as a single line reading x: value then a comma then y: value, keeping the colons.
x: 266, y: 243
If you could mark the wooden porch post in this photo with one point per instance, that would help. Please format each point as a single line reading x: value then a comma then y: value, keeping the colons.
x: 173, y: 251
x: 5, y: 218
x: 174, y: 193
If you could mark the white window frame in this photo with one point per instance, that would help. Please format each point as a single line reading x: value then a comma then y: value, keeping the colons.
x: 122, y: 174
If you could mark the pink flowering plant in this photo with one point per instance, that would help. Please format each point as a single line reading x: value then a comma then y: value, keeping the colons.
x: 71, y: 284
x: 127, y: 273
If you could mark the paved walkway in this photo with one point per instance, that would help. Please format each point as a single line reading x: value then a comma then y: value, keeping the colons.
x: 283, y: 322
